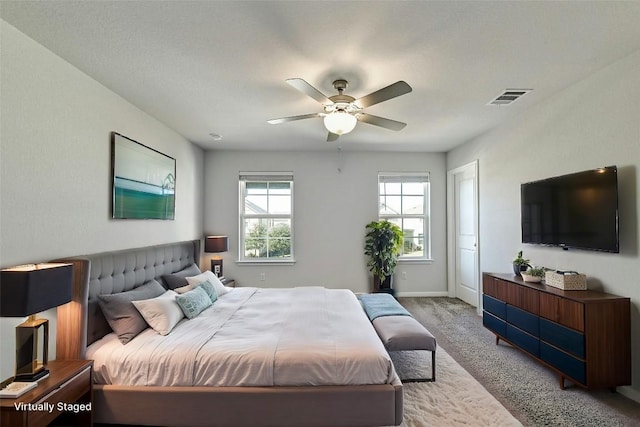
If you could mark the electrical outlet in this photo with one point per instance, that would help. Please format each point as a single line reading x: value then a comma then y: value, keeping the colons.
x: 403, y: 275
x: 262, y: 277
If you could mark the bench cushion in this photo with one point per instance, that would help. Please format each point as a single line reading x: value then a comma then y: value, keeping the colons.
x: 400, y: 333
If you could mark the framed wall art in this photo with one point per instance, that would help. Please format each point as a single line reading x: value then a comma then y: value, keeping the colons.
x: 143, y: 181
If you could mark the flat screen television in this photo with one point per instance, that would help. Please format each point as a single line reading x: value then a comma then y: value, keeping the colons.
x: 579, y: 210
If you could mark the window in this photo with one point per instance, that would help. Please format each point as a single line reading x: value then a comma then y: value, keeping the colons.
x: 404, y: 200
x: 266, y: 217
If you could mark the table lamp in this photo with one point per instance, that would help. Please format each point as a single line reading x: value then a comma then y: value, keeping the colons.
x: 24, y: 291
x: 216, y: 244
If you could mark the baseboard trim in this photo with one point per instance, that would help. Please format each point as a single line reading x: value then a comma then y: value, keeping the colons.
x: 629, y: 392
x: 423, y: 294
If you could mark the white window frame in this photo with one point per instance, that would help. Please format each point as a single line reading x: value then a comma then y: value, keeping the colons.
x: 425, y: 216
x: 245, y: 177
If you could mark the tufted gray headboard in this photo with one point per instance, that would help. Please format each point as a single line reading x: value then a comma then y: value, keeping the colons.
x: 111, y: 273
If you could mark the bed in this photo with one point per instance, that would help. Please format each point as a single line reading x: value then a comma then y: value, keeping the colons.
x: 272, y: 382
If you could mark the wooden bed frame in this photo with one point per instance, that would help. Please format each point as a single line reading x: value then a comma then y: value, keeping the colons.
x: 81, y: 322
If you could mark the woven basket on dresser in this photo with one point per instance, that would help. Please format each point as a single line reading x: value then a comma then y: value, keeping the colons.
x: 567, y: 282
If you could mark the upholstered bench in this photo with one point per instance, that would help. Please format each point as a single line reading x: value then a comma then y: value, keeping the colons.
x: 398, y: 330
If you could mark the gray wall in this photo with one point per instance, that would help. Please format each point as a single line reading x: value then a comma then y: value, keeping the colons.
x: 593, y: 123
x: 335, y: 196
x: 55, y: 168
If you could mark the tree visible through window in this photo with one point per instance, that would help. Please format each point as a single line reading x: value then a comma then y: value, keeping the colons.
x: 404, y: 200
x: 266, y: 217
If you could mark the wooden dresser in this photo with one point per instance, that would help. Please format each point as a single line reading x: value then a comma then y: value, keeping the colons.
x: 584, y: 336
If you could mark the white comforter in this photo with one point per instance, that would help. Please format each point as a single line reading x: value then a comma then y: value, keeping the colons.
x: 254, y: 337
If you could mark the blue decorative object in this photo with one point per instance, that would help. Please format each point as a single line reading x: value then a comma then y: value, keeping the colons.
x: 209, y: 289
x: 193, y: 302
x: 378, y: 305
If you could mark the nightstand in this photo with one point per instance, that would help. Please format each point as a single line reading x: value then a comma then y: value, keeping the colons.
x: 229, y: 282
x: 65, y: 393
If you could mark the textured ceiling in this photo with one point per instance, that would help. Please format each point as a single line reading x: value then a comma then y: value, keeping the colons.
x: 220, y: 66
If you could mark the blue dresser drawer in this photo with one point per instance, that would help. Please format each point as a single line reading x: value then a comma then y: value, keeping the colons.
x: 562, y: 337
x: 494, y: 324
x: 564, y: 362
x: 523, y: 320
x: 527, y: 342
x: 494, y: 306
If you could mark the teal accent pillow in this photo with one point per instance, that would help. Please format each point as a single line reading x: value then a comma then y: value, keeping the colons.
x: 209, y: 289
x: 193, y: 302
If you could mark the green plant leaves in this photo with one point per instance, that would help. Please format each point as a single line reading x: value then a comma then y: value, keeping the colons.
x: 382, y: 245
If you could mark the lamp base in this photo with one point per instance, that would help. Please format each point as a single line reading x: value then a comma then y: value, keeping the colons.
x: 32, y: 345
x: 29, y: 378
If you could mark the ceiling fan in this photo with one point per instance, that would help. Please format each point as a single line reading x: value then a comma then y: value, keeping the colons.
x: 342, y: 112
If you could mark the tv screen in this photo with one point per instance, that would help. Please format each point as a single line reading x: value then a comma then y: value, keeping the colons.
x: 579, y: 210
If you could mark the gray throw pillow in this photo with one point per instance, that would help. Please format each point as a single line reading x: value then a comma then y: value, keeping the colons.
x: 178, y: 279
x: 123, y: 317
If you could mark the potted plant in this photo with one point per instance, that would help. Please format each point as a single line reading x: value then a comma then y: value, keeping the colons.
x: 520, y: 264
x: 382, y: 245
x: 533, y: 274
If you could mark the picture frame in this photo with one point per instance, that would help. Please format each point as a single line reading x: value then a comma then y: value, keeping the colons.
x: 143, y: 181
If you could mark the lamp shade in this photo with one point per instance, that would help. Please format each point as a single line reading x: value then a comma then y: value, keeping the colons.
x: 215, y: 244
x: 30, y: 289
x: 340, y: 122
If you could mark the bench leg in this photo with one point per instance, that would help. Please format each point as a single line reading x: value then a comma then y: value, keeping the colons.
x: 433, y: 365
x: 424, y: 380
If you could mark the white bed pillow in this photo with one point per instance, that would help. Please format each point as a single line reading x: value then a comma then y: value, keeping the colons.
x: 161, y: 313
x: 208, y: 275
x: 183, y: 289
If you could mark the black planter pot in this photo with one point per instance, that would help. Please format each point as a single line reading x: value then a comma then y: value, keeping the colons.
x: 518, y: 269
x: 384, y: 286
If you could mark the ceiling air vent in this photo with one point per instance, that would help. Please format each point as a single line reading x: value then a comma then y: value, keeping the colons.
x: 509, y: 96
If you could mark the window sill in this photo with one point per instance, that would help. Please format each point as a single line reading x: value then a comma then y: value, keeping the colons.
x: 415, y: 261
x: 266, y: 262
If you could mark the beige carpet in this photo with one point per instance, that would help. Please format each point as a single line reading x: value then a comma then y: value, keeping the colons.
x: 454, y: 399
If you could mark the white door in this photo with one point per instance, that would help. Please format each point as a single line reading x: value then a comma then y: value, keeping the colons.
x: 464, y: 229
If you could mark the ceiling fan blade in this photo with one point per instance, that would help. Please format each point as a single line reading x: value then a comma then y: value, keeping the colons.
x: 292, y: 118
x: 381, y: 121
x: 307, y: 89
x: 384, y: 94
x: 332, y: 137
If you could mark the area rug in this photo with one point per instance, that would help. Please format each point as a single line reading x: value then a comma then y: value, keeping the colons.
x: 527, y: 389
x: 454, y: 399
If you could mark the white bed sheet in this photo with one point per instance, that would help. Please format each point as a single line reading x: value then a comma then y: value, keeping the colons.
x: 254, y: 337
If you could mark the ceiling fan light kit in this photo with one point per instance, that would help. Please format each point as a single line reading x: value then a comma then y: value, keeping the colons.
x: 340, y: 122
x: 342, y: 112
